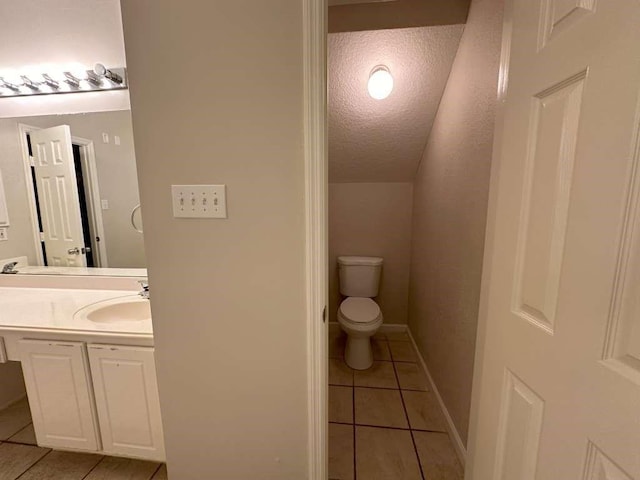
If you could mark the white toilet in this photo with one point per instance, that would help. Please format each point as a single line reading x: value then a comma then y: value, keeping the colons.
x: 359, y: 316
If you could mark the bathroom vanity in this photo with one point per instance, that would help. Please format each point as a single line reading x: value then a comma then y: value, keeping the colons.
x: 88, y: 362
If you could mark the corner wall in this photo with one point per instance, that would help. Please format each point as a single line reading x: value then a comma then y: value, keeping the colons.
x: 217, y: 98
x: 449, y: 213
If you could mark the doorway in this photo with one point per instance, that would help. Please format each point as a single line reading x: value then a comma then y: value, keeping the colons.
x: 89, y: 207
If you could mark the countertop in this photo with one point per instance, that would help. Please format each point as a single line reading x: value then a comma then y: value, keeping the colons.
x: 53, y: 309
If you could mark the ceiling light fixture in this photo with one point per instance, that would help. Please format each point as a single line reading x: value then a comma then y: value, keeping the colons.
x: 380, y: 82
x: 68, y: 79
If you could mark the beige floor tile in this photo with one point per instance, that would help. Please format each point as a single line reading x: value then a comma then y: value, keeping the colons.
x: 62, y: 465
x: 402, y: 352
x: 397, y: 336
x: 161, y: 474
x: 385, y: 454
x: 339, y: 372
x: 16, y: 459
x: 340, y: 452
x: 411, y: 376
x: 115, y: 468
x: 27, y: 436
x: 337, y: 342
x: 14, y: 418
x: 380, y: 350
x: 437, y: 456
x: 381, y: 408
x: 380, y: 375
x: 340, y: 404
x: 423, y: 411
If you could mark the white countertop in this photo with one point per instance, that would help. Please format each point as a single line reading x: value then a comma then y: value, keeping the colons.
x: 54, y: 309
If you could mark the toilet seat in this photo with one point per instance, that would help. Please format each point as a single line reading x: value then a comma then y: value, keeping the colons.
x: 359, y: 311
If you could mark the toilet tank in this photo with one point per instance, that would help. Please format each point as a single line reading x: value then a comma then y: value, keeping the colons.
x: 359, y: 276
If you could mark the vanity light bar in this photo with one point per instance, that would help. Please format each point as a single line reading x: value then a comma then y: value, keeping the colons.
x: 96, y: 80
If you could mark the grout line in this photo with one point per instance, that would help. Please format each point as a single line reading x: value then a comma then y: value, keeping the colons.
x: 381, y: 388
x: 392, y: 428
x: 353, y: 403
x: 406, y: 414
x: 34, y: 464
x: 94, y: 467
x: 155, y: 471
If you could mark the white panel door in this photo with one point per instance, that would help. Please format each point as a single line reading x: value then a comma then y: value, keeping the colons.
x: 126, y: 391
x: 558, y: 395
x: 59, y: 390
x: 58, y: 196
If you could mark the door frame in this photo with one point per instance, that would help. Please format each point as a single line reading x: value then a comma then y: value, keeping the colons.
x: 94, y: 210
x: 483, y: 308
x: 314, y: 17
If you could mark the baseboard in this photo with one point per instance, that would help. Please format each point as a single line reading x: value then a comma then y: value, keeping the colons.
x: 385, y: 328
x: 453, y: 431
x: 11, y: 402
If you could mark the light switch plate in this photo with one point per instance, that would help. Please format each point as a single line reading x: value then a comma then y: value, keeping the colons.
x: 199, y: 201
x: 4, y: 234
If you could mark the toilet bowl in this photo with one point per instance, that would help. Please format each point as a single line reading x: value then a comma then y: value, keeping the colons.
x: 360, y: 318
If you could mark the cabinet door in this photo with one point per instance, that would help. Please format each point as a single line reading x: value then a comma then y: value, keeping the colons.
x: 124, y: 382
x: 57, y: 378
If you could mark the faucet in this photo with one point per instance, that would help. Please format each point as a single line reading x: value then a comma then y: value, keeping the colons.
x: 10, y: 268
x: 144, y: 293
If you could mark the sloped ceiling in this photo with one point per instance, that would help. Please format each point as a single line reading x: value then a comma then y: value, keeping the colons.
x: 383, y: 140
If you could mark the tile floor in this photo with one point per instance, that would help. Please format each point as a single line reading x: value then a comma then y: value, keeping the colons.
x: 21, y: 459
x: 384, y: 423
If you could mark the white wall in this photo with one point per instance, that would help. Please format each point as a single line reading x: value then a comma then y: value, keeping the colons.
x: 450, y: 206
x: 228, y: 296
x: 61, y: 32
x: 373, y: 219
x: 117, y: 178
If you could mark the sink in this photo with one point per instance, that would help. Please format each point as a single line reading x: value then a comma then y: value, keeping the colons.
x: 117, y: 310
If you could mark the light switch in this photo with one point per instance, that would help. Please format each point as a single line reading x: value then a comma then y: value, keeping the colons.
x: 116, y: 139
x: 199, y: 201
x: 105, y: 138
x: 4, y: 234
x: 105, y: 204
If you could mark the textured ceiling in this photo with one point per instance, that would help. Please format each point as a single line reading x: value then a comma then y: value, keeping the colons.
x: 383, y: 140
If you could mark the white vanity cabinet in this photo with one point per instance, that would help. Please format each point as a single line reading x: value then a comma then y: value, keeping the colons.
x: 94, y: 397
x: 126, y: 393
x: 58, y: 385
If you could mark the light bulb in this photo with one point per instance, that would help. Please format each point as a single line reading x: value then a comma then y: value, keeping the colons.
x: 380, y: 82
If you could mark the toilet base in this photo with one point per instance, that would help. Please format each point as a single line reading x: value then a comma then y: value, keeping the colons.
x: 358, y: 353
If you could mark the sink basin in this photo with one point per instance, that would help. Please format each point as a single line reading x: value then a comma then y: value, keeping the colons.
x: 117, y: 310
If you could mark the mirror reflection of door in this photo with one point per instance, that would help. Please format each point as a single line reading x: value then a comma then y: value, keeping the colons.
x: 63, y: 199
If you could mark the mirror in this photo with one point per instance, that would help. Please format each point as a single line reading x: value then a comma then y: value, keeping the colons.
x: 71, y: 195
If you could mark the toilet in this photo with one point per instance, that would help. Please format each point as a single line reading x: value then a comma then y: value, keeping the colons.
x: 359, y: 316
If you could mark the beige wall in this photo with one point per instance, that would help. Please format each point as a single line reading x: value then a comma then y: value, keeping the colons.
x: 117, y: 179
x: 373, y: 219
x: 217, y: 97
x: 11, y: 383
x: 450, y: 204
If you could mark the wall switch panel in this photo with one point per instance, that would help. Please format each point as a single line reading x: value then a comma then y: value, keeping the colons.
x: 4, y: 234
x: 199, y: 201
x: 105, y: 138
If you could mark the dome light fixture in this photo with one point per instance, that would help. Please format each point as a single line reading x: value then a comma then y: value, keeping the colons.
x: 380, y: 82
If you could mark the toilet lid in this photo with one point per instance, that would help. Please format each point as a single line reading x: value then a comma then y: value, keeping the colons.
x: 360, y: 310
